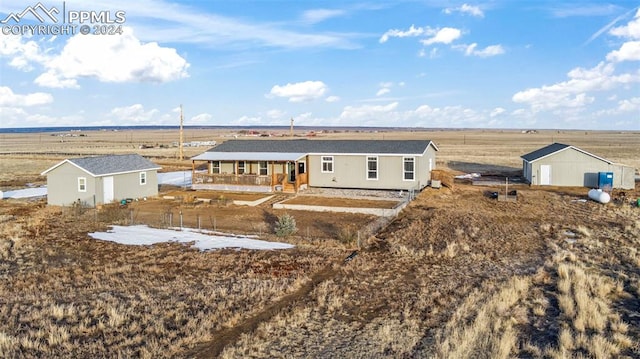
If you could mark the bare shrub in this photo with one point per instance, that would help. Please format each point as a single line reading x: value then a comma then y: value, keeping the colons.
x: 347, y: 234
x: 113, y: 213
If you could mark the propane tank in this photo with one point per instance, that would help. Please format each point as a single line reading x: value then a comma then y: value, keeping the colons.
x: 599, y: 196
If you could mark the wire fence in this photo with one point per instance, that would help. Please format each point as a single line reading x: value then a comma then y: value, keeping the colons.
x: 176, y: 218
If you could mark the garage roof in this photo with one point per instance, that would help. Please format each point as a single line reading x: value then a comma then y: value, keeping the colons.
x: 554, y: 148
x: 110, y: 164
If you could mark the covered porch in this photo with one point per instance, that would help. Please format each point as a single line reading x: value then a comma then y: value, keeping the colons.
x: 253, y: 172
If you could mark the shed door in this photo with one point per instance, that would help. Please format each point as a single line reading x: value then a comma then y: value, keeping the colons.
x: 545, y: 174
x: 107, y: 184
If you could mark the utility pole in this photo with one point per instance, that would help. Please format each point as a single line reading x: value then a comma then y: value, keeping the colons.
x: 181, y: 144
x: 291, y: 128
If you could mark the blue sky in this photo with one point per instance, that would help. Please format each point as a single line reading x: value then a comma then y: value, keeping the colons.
x: 434, y: 64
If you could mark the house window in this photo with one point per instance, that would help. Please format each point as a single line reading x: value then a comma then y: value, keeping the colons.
x: 327, y: 164
x: 215, y: 167
x: 372, y: 168
x: 241, y: 166
x: 263, y: 168
x: 143, y: 178
x: 409, y: 168
x: 82, y: 184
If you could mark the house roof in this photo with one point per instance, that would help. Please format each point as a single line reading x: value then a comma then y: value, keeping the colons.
x: 249, y: 156
x: 109, y: 165
x: 554, y: 148
x: 276, y: 149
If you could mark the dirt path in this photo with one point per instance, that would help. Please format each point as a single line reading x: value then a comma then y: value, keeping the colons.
x: 227, y: 336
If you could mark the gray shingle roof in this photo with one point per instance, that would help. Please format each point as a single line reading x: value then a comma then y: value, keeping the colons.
x: 553, y: 148
x: 112, y: 164
x: 544, y: 151
x: 416, y: 147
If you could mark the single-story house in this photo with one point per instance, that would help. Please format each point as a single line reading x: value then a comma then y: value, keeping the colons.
x: 294, y: 165
x: 101, y: 179
x: 565, y: 165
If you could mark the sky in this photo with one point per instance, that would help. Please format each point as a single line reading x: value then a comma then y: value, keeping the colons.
x: 430, y: 63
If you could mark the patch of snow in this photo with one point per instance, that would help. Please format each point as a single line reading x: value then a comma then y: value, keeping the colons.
x: 178, y: 178
x: 143, y: 235
x: 468, y: 176
x: 26, y: 193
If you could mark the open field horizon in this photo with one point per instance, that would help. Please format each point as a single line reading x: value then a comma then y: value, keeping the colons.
x: 28, y: 154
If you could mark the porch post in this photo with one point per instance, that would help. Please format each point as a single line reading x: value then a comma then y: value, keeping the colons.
x: 295, y: 171
x: 272, y: 176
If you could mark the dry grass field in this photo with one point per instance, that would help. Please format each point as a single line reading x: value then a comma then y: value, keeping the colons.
x: 456, y: 275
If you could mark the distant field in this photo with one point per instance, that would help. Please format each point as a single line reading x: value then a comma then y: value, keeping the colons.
x: 24, y: 156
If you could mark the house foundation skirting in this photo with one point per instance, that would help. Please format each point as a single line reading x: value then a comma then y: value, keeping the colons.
x: 230, y: 187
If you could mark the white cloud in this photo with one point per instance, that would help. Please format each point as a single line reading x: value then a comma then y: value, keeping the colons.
x: 134, y: 114
x: 171, y: 22
x: 300, y: 91
x: 318, y: 15
x: 447, y: 116
x: 465, y: 9
x: 249, y: 120
x: 412, y: 32
x: 385, y: 87
x: 276, y: 114
x: 18, y: 117
x: 632, y: 104
x: 629, y: 51
x: 121, y: 58
x: 201, y: 118
x: 332, y: 99
x: 590, y: 10
x: 10, y: 99
x: 53, y: 80
x: 497, y: 112
x: 446, y: 35
x: 471, y: 50
x: 367, y: 112
x: 629, y: 31
x: 572, y: 93
x: 383, y: 91
x: 21, y: 53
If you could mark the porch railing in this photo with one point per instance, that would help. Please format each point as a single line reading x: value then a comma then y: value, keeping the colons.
x: 232, y: 179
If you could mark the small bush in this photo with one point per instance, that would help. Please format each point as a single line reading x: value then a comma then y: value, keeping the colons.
x: 347, y: 234
x: 286, y: 226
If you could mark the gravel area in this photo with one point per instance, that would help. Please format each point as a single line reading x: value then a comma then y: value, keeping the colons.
x: 355, y: 193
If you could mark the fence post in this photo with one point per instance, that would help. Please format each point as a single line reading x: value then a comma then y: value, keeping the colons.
x: 170, y: 219
x: 198, y: 221
x: 180, y: 219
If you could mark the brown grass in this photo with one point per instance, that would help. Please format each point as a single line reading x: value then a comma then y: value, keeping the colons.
x: 456, y: 274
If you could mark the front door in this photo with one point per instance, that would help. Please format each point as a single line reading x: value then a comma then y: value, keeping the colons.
x: 107, y: 190
x: 291, y: 169
x: 545, y: 175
